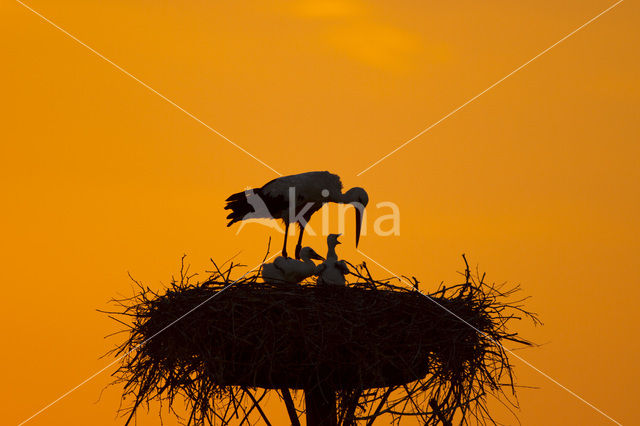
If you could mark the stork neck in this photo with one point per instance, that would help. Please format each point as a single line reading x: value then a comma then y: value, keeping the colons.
x: 354, y: 195
x: 345, y: 198
x: 331, y: 252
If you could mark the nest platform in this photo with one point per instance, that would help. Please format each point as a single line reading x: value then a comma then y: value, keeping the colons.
x: 206, y: 340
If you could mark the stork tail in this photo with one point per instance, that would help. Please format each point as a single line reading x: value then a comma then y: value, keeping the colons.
x: 239, y: 207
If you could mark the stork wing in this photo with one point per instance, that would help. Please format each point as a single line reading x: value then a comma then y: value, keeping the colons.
x: 280, y: 263
x: 342, y: 266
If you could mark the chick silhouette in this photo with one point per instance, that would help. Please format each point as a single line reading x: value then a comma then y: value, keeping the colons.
x: 291, y: 271
x: 332, y: 270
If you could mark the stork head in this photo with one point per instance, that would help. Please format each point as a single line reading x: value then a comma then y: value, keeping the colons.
x: 307, y: 253
x: 332, y: 240
x: 359, y: 198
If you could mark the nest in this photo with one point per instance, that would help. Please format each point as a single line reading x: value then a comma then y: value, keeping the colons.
x: 381, y: 346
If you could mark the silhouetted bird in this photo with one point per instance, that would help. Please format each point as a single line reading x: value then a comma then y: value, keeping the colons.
x: 332, y: 270
x: 291, y: 271
x: 294, y: 199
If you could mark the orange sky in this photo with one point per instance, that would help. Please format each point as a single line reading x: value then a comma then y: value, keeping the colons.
x: 537, y: 180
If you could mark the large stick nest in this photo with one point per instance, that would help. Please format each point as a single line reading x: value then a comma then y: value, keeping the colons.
x: 383, y: 345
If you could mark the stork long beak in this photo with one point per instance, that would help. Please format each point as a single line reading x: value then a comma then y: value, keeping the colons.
x: 358, y: 224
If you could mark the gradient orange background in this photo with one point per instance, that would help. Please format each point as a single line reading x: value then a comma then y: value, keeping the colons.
x: 537, y: 180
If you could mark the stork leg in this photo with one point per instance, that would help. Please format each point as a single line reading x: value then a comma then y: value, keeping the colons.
x: 286, y: 233
x: 299, y: 245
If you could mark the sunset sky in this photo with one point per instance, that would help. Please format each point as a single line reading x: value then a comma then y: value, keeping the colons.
x: 537, y: 180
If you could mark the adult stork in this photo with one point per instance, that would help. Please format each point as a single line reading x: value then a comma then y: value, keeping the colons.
x: 294, y: 199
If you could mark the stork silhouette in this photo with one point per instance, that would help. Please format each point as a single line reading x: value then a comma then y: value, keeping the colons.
x: 294, y: 199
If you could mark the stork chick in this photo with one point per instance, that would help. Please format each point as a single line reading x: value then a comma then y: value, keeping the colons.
x: 332, y: 270
x: 291, y: 271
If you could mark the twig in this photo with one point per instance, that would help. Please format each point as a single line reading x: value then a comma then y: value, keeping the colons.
x: 257, y: 405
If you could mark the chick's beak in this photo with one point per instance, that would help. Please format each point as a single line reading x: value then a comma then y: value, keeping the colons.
x: 316, y: 256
